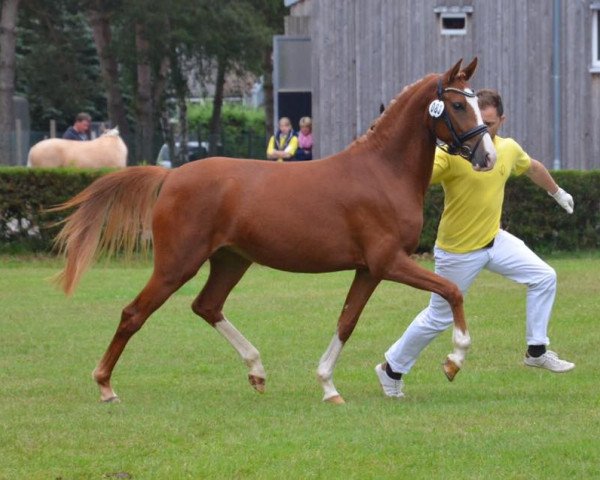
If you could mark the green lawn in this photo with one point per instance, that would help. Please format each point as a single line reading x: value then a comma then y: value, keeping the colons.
x: 188, y: 412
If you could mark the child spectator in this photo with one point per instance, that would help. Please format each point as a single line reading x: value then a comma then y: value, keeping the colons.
x: 283, y: 145
x: 305, y: 140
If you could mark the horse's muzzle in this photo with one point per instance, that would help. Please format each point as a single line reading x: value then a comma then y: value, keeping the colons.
x: 484, y: 157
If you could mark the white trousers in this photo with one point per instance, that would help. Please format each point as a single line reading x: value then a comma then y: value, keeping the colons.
x: 509, y: 257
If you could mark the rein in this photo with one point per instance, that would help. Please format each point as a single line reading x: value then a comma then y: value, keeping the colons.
x: 457, y: 147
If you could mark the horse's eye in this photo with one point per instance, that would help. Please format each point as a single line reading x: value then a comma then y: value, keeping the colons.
x: 457, y: 106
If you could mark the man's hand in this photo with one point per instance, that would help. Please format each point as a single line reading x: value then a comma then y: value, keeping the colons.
x: 563, y: 199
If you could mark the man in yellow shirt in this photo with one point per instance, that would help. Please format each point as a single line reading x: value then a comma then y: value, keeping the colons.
x: 470, y: 239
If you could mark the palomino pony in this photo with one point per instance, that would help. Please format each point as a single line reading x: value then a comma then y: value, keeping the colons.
x: 108, y: 150
x: 360, y: 209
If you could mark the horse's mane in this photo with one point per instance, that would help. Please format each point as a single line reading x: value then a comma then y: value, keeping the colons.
x: 400, y: 97
x: 113, y: 132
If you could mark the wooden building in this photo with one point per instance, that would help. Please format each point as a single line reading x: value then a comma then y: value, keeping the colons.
x: 363, y: 52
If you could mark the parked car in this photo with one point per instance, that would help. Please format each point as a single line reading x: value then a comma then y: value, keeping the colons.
x: 196, y: 151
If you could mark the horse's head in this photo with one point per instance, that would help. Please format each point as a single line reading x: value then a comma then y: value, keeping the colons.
x: 457, y: 119
x: 113, y: 132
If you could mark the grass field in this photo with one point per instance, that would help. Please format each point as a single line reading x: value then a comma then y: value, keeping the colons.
x: 188, y: 411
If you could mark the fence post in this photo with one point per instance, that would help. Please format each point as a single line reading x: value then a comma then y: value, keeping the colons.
x: 18, y: 141
x: 52, y: 128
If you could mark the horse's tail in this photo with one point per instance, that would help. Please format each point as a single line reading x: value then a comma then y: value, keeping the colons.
x: 113, y: 213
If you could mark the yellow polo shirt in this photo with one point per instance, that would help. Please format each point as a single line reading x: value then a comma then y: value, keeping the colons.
x: 473, y: 200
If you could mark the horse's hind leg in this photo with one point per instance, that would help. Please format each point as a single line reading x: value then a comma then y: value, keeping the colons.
x: 226, y: 270
x: 160, y: 287
x: 360, y: 292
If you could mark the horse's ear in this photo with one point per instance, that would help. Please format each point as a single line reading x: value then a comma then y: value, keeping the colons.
x: 453, y: 72
x: 381, y: 108
x: 469, y: 70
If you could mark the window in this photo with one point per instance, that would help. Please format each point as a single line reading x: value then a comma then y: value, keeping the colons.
x: 453, y: 20
x: 595, y: 66
x: 454, y: 23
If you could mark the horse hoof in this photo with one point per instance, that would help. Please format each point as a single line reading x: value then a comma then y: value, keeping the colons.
x: 450, y: 369
x: 257, y: 383
x: 335, y: 400
x: 113, y: 399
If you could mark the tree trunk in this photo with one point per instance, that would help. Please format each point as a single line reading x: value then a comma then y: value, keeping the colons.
x: 215, y: 120
x: 268, y: 92
x: 160, y: 107
x: 99, y: 21
x: 165, y: 66
x: 144, y: 111
x: 181, y: 92
x: 183, y: 129
x: 160, y: 83
x: 8, y: 24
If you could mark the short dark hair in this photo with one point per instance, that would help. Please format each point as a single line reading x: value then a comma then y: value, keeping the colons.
x: 83, y: 116
x: 487, y: 97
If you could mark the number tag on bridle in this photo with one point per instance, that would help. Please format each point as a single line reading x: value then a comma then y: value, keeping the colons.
x: 436, y: 108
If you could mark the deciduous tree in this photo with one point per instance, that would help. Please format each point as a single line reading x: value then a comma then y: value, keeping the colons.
x: 99, y: 14
x: 8, y: 25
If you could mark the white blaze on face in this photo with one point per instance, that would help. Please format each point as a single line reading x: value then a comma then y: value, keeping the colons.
x: 487, y: 143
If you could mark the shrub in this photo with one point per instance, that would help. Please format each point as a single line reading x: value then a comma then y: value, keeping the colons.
x: 529, y: 212
x: 537, y: 219
x: 25, y: 193
x: 242, y: 129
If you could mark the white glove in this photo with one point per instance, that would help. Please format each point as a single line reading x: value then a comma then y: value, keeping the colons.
x: 563, y: 199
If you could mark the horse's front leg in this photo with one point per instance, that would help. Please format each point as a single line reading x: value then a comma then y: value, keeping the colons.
x: 157, y: 290
x: 405, y: 270
x: 454, y: 361
x: 360, y: 291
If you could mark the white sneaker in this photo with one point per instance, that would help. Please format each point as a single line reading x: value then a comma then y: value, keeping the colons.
x: 549, y: 361
x: 391, y: 387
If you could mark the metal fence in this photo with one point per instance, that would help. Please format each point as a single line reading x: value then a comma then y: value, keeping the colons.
x: 14, y: 147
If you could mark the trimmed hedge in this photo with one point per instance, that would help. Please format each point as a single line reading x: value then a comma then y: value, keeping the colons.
x: 534, y: 217
x: 529, y: 213
x: 242, y: 129
x: 24, y: 193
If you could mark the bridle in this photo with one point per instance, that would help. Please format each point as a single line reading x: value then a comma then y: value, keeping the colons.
x: 457, y: 147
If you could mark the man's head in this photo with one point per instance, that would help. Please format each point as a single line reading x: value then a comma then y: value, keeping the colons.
x: 492, y: 109
x: 82, y: 122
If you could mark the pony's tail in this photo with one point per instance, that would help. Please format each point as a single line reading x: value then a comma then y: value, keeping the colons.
x: 113, y: 213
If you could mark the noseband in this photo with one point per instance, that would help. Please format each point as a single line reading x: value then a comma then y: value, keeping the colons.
x: 458, y: 147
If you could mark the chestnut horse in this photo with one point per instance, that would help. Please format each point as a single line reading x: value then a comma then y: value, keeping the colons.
x: 360, y: 209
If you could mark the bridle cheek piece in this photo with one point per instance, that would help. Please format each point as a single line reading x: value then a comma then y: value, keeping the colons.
x: 457, y: 147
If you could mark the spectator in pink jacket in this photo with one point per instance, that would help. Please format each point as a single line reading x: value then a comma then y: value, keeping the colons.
x: 305, y: 140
